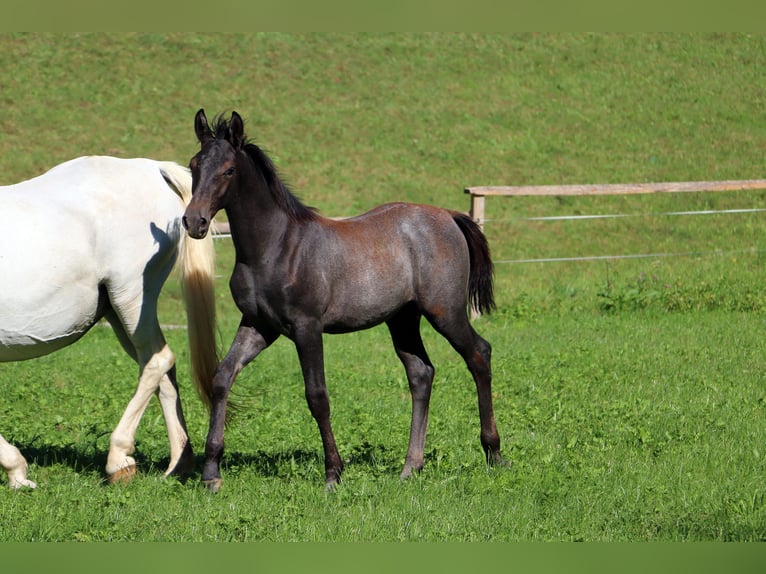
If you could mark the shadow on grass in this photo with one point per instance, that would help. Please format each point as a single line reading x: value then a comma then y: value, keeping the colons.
x: 305, y: 463
x: 376, y: 459
x: 81, y: 460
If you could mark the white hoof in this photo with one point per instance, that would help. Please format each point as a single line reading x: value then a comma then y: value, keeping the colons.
x: 20, y: 482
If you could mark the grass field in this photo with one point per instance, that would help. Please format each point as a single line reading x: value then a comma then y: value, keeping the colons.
x: 628, y: 392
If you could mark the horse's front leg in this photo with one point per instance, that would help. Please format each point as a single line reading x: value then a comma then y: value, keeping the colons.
x: 311, y: 354
x: 247, y: 344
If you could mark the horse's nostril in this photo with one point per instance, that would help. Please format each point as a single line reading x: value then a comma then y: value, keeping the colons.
x: 200, y: 223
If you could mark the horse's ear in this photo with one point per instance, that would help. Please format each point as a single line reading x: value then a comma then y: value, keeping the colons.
x: 237, y: 129
x: 200, y: 127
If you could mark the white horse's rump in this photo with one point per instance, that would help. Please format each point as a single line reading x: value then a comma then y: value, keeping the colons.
x: 97, y: 237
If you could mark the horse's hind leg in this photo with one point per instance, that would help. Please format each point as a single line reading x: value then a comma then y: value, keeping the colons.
x: 477, y: 354
x: 14, y: 464
x: 156, y: 376
x: 182, y: 460
x: 405, y: 333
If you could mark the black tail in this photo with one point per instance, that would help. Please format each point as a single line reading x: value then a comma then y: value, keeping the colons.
x: 481, y: 278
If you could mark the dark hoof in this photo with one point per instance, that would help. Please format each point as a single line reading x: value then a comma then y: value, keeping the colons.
x: 409, y: 471
x: 495, y: 459
x: 213, y: 484
x: 332, y: 480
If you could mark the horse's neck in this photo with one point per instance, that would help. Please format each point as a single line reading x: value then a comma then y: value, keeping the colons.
x: 256, y: 224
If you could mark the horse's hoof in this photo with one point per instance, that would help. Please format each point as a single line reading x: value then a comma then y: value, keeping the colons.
x: 497, y: 460
x: 123, y: 475
x: 332, y: 479
x: 213, y: 484
x: 410, y: 470
x: 18, y: 484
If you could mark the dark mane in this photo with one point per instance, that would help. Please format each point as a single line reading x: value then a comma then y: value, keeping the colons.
x: 285, y: 199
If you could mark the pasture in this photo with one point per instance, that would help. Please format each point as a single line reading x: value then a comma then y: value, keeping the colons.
x: 629, y: 393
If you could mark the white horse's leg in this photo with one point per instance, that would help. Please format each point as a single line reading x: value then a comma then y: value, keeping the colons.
x: 181, y: 453
x: 15, y: 465
x: 156, y: 376
x: 120, y: 465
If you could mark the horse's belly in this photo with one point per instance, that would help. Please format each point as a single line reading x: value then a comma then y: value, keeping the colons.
x: 36, y: 321
x: 17, y: 347
x: 361, y: 310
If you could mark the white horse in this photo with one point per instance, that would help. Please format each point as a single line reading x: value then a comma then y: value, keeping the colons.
x: 96, y: 237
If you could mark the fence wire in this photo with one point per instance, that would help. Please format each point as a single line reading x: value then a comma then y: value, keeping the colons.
x: 659, y: 255
x: 224, y: 233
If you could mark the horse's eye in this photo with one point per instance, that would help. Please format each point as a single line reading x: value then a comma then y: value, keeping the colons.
x: 229, y: 172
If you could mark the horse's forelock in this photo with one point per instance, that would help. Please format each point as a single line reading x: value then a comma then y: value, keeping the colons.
x: 219, y: 128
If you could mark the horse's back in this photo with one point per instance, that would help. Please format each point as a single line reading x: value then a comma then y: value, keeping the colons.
x: 103, y: 204
x: 392, y: 255
x: 417, y: 234
x: 89, y: 187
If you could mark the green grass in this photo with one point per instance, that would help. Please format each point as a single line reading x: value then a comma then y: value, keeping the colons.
x: 629, y: 393
x: 639, y: 427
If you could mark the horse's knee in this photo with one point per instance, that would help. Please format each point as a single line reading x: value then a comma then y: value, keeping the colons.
x: 422, y: 372
x: 420, y: 377
x: 318, y: 401
x: 155, y: 368
x: 484, y: 349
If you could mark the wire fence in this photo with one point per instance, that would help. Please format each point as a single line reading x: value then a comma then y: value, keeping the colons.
x: 221, y: 229
x: 480, y: 194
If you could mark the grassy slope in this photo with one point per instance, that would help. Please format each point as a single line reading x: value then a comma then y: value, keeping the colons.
x: 356, y: 120
x: 630, y: 424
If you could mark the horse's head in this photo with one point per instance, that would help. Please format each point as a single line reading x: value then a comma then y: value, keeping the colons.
x: 213, y: 169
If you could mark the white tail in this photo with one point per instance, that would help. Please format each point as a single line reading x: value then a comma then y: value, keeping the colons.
x: 197, y: 268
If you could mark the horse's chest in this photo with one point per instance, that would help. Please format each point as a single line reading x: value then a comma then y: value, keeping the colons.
x: 252, y: 293
x: 244, y: 290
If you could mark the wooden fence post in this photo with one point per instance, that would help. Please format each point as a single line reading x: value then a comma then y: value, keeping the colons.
x: 477, y: 207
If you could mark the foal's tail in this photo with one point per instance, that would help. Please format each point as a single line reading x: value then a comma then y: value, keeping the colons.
x: 481, y: 277
x: 197, y: 265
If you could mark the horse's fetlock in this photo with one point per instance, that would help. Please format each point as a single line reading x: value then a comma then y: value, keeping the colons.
x: 119, y: 442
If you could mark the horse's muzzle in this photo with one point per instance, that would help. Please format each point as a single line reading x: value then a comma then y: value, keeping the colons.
x: 196, y: 226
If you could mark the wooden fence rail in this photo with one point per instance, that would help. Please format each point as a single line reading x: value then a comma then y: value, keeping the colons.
x: 480, y: 193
